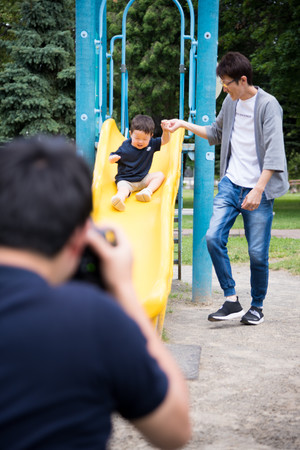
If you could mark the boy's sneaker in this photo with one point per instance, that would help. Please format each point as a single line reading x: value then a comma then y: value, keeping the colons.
x: 229, y: 310
x: 144, y: 195
x: 253, y: 317
x: 118, y: 203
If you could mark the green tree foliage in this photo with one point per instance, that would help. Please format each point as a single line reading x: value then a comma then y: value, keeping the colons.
x: 9, y: 14
x: 152, y: 56
x: 37, y: 86
x: 268, y: 34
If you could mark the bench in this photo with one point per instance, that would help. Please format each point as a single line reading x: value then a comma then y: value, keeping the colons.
x: 294, y: 186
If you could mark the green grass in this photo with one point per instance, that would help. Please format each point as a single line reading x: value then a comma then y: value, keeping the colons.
x: 287, y: 212
x: 188, y: 198
x: 284, y: 252
x: 164, y: 336
x: 286, y: 208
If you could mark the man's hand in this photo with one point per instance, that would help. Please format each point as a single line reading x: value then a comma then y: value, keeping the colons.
x: 252, y: 200
x: 116, y: 261
x: 114, y: 158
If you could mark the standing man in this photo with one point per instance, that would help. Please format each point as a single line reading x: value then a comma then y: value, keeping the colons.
x: 71, y: 353
x: 253, y: 172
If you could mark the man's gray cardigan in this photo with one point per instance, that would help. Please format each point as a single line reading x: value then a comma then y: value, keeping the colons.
x: 268, y: 139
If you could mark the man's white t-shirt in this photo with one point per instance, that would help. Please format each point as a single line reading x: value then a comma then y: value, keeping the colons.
x: 243, y: 168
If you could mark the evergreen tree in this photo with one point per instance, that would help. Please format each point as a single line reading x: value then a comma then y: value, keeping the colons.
x: 9, y: 14
x: 268, y: 34
x: 37, y: 88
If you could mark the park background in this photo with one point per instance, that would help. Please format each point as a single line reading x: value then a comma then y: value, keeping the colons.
x: 246, y: 394
x: 37, y: 80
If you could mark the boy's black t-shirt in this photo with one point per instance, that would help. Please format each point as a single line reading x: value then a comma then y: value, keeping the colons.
x: 69, y: 357
x: 135, y: 164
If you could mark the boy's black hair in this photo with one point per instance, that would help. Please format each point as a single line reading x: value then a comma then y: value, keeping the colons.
x: 142, y: 123
x: 45, y: 193
x: 235, y: 65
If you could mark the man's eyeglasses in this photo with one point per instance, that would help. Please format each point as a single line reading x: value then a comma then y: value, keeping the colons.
x: 225, y: 85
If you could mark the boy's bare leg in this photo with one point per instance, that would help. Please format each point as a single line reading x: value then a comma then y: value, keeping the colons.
x: 154, y: 181
x: 118, y: 200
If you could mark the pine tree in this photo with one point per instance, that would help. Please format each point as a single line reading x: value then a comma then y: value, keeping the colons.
x: 9, y: 14
x: 37, y: 87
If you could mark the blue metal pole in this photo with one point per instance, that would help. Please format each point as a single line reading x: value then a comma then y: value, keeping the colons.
x: 124, y: 74
x: 85, y: 78
x: 181, y: 67
x: 102, y: 77
x: 111, y: 74
x: 208, y: 14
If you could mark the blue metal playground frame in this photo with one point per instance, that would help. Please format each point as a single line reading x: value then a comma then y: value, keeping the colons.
x: 92, y: 109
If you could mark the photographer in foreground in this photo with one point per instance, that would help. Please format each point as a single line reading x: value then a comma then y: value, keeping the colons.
x: 71, y: 353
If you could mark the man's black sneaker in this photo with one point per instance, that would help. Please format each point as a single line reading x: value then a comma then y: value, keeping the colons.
x: 253, y: 317
x: 229, y: 310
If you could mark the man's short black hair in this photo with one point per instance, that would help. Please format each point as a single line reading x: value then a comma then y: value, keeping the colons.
x: 142, y: 123
x: 235, y: 65
x: 45, y: 193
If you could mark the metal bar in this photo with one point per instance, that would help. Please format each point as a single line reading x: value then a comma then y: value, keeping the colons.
x: 124, y: 81
x: 180, y: 207
x: 102, y: 64
x: 111, y: 74
x: 181, y: 66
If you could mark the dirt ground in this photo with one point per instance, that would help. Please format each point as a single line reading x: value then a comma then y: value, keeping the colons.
x: 247, y: 394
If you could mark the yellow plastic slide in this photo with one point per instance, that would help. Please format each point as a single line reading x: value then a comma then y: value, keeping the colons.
x: 149, y: 226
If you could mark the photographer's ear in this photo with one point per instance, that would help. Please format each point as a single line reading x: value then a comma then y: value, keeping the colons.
x: 66, y: 261
x: 77, y: 242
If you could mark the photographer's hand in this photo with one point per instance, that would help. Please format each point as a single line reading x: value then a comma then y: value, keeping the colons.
x: 173, y: 413
x: 116, y: 260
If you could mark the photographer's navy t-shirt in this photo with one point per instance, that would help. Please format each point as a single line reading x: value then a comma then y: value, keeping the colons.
x: 69, y: 358
x: 135, y: 164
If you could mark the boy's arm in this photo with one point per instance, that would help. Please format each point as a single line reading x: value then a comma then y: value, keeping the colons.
x: 113, y: 158
x: 166, y: 132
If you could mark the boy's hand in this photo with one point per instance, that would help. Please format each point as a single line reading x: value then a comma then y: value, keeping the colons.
x: 166, y: 133
x: 164, y: 124
x: 114, y: 158
x: 172, y: 125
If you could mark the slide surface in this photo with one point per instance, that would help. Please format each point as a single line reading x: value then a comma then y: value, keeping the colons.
x: 149, y: 226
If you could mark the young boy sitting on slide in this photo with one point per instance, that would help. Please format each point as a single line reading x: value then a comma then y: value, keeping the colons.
x: 134, y: 158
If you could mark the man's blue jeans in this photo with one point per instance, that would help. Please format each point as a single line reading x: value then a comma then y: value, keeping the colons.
x: 257, y: 224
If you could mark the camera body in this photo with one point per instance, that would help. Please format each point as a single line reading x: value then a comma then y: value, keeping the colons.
x: 89, y: 268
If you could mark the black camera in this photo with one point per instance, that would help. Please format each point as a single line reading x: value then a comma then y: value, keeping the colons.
x: 89, y: 268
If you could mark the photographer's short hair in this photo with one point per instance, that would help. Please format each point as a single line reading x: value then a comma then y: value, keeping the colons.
x: 235, y: 65
x: 45, y: 193
x: 142, y: 123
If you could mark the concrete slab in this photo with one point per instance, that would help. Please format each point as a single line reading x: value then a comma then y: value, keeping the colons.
x: 188, y: 359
